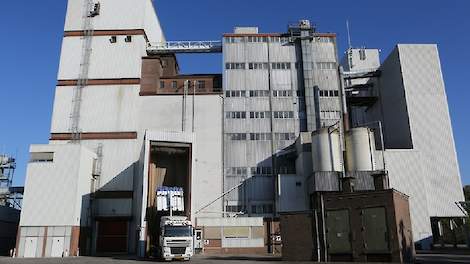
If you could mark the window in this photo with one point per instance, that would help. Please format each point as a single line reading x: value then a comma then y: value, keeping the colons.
x: 128, y: 39
x: 326, y: 65
x: 258, y: 65
x: 330, y: 114
x: 282, y: 93
x: 235, y: 115
x: 262, y: 114
x: 237, y: 136
x: 235, y: 93
x: 328, y: 93
x: 201, y: 84
x: 254, y: 39
x: 261, y: 171
x: 233, y: 208
x: 234, y: 66
x: 283, y: 114
x: 234, y: 39
x: 162, y: 84
x: 113, y: 39
x: 262, y: 209
x: 260, y: 136
x: 259, y: 93
x: 324, y: 39
x: 237, y: 171
x: 174, y: 85
x: 42, y: 157
x: 281, y: 65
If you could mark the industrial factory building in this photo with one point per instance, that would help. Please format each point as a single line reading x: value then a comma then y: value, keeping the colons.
x: 282, y: 121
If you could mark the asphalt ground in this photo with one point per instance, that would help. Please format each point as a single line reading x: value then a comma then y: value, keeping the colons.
x: 420, y: 258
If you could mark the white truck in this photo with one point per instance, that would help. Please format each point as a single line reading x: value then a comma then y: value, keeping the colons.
x: 175, y: 240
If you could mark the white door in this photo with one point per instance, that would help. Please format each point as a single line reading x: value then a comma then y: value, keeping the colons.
x: 57, y: 247
x: 30, y: 246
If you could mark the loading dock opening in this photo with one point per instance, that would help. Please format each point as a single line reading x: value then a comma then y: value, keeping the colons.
x: 170, y: 166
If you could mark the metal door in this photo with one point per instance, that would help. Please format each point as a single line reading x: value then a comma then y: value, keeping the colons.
x: 57, y: 247
x: 338, y: 231
x: 374, y: 221
x: 30, y: 247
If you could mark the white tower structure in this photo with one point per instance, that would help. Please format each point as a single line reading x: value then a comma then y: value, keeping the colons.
x: 92, y: 177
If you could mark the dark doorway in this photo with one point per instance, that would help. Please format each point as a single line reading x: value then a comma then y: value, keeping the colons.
x: 112, y: 236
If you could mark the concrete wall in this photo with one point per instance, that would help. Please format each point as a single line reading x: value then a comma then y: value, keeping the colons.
x: 56, y: 199
x: 421, y: 159
x: 120, y: 14
x: 54, y: 190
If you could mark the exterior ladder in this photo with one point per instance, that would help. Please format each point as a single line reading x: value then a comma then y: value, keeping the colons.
x: 82, y: 81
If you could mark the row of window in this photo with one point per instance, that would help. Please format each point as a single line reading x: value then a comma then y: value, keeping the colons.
x: 259, y: 114
x: 256, y: 39
x: 262, y: 209
x: 283, y: 114
x: 328, y: 93
x: 255, y: 209
x: 280, y: 65
x: 282, y: 93
x: 41, y: 157
x: 200, y: 84
x: 234, y: 66
x: 260, y: 136
x: 326, y: 65
x: 258, y: 65
x: 242, y: 171
x: 259, y: 93
x: 324, y: 39
x: 262, y: 93
x: 235, y: 115
x: 330, y: 114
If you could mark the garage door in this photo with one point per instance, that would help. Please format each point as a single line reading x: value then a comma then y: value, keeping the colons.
x: 112, y: 237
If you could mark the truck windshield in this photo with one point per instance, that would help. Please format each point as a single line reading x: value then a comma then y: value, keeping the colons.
x: 178, y: 231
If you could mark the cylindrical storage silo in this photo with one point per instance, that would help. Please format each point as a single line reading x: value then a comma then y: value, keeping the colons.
x: 326, y: 151
x: 360, y: 148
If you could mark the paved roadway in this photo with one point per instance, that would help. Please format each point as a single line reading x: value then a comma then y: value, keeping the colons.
x: 421, y: 258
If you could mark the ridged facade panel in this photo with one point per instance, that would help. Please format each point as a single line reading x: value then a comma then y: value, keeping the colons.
x: 431, y: 127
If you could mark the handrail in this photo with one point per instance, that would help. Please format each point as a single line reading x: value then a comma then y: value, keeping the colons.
x: 190, y: 46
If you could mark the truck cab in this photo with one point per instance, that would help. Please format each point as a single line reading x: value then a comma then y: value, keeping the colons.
x: 176, y: 238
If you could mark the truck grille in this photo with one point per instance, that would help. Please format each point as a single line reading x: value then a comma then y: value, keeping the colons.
x: 178, y: 250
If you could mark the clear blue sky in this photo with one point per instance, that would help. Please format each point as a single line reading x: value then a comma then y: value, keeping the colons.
x: 32, y: 34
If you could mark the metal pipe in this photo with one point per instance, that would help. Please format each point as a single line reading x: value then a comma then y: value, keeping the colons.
x: 223, y: 150
x: 318, y: 238
x: 323, y: 227
x: 194, y: 93
x: 273, y: 158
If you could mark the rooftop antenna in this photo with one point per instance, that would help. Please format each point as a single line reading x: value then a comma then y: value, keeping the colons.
x: 349, y: 35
